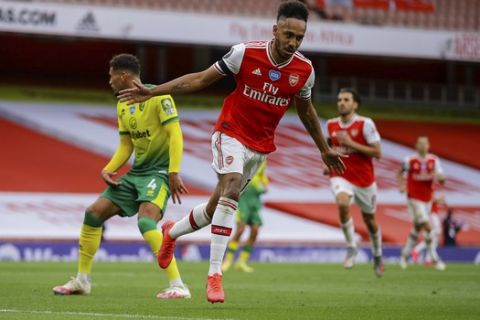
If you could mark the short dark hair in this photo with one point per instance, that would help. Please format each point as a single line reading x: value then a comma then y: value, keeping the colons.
x: 125, y: 61
x: 293, y: 9
x: 355, y: 95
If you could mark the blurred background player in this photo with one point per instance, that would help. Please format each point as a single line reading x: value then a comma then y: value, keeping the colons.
x: 421, y: 170
x: 357, y: 137
x: 248, y: 213
x: 152, y: 130
x: 451, y: 227
x: 270, y: 77
x: 439, y: 207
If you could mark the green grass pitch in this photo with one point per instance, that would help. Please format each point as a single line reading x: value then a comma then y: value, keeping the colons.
x: 273, y: 291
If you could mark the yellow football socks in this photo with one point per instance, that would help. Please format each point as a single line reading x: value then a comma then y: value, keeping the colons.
x: 154, y: 239
x: 90, y: 238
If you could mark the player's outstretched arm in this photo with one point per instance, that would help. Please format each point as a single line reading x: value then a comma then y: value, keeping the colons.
x: 119, y: 158
x: 188, y: 83
x: 175, y: 150
x: 307, y: 114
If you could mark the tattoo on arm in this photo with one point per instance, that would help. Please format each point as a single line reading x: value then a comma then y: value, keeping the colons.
x: 179, y: 87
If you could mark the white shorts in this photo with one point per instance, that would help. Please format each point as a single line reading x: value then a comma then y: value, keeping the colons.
x: 364, y: 197
x: 230, y: 155
x: 419, y: 210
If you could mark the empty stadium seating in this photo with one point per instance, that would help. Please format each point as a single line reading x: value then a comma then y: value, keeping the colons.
x: 443, y: 14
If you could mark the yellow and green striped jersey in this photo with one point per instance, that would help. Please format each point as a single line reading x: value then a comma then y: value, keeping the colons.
x: 145, y: 122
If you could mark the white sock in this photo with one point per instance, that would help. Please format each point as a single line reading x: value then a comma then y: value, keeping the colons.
x: 222, y: 224
x: 411, y: 241
x: 431, y: 246
x: 196, y: 219
x: 376, y: 241
x: 349, y: 233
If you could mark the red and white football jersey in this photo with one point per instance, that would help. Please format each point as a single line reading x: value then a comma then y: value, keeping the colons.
x: 359, y: 167
x: 264, y: 91
x: 421, y: 174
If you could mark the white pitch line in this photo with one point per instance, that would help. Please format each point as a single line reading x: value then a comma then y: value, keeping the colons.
x: 107, y: 315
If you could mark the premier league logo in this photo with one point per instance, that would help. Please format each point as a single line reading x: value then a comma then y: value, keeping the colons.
x: 132, y: 109
x: 274, y: 75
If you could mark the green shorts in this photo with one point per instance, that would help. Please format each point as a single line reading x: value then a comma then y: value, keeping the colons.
x: 136, y: 189
x: 249, y: 206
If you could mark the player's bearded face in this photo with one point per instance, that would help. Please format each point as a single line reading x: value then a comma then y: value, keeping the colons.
x: 345, y: 103
x: 288, y: 35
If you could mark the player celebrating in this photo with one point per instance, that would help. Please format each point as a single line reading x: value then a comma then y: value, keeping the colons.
x: 271, y: 76
x: 356, y: 136
x: 421, y: 169
x: 248, y: 213
x: 152, y: 130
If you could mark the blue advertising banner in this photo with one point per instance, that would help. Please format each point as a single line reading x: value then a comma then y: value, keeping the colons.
x: 137, y: 251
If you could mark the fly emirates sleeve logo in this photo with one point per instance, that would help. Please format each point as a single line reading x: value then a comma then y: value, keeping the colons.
x: 268, y: 95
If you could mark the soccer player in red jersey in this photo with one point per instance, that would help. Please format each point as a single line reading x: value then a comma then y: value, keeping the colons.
x: 421, y: 170
x: 358, y: 137
x: 270, y: 77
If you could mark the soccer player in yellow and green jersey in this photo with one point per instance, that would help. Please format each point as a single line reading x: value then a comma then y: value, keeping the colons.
x: 151, y: 130
x: 248, y: 213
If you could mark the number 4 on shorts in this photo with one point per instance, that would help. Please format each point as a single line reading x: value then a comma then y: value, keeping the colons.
x: 152, y: 184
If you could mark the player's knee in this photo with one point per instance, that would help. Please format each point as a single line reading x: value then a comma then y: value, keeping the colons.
x: 92, y: 218
x: 146, y: 224
x: 232, y: 186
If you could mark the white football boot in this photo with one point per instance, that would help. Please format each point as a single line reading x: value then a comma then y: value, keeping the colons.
x: 74, y: 286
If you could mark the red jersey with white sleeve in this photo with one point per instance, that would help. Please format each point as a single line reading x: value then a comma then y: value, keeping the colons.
x: 359, y: 167
x: 264, y: 91
x: 421, y: 174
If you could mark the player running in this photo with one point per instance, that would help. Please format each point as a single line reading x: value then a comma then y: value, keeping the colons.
x: 270, y: 77
x: 152, y: 130
x: 358, y: 137
x: 421, y: 169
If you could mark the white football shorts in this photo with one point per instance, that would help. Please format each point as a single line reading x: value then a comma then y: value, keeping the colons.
x: 364, y: 197
x: 230, y: 155
x: 419, y: 210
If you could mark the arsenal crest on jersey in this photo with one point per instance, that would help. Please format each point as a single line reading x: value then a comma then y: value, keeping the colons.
x: 293, y: 79
x: 354, y: 132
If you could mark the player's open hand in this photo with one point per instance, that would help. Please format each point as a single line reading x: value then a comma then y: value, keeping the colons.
x: 176, y: 187
x: 333, y: 161
x: 139, y: 93
x: 108, y: 178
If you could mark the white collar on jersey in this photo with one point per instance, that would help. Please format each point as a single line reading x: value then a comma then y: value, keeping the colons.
x: 346, y: 124
x: 272, y: 60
